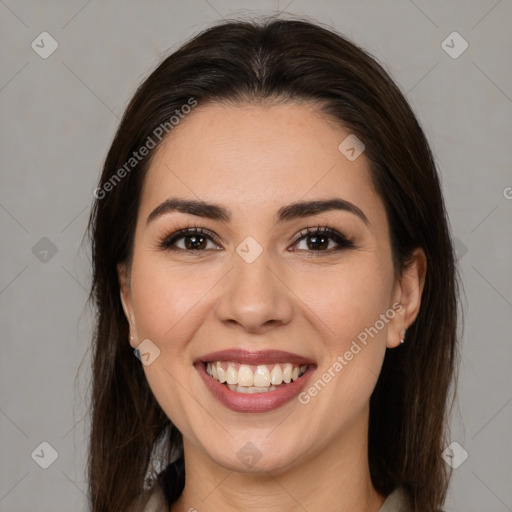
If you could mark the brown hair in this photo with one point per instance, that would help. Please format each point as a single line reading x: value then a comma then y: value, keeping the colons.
x: 254, y: 61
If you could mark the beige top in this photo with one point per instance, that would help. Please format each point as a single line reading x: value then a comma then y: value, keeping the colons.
x: 395, y: 502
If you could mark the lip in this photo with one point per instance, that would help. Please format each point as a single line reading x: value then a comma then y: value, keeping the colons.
x: 261, y: 357
x: 256, y: 402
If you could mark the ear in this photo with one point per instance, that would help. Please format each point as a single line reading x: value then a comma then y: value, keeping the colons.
x: 127, y: 301
x: 407, y: 298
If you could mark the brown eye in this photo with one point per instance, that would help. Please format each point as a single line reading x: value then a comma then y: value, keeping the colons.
x: 319, y: 239
x: 194, y: 242
x: 194, y: 239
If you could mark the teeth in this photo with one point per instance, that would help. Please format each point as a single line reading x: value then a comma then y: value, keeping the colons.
x: 221, y: 374
x: 287, y: 373
x: 231, y: 375
x: 250, y: 390
x: 276, y: 375
x: 245, y: 376
x: 262, y: 376
x: 237, y: 376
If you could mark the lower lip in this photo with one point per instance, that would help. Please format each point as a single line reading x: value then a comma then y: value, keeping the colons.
x: 255, y: 402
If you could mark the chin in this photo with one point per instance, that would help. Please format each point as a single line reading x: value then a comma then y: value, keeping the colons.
x: 241, y: 455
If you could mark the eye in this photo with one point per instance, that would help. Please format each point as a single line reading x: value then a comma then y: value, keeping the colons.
x: 194, y: 239
x: 318, y: 239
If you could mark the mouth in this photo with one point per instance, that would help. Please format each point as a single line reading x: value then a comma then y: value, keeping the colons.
x: 249, y: 379
x: 254, y: 381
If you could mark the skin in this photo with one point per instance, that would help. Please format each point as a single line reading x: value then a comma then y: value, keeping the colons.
x: 253, y: 160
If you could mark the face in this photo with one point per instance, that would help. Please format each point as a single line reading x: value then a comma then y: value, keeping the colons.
x: 259, y: 292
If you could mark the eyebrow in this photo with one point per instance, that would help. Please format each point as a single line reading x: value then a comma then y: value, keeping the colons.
x: 286, y: 213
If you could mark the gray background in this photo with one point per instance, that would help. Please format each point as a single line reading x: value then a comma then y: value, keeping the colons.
x: 59, y: 115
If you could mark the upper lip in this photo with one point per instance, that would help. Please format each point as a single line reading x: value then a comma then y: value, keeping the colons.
x: 254, y: 357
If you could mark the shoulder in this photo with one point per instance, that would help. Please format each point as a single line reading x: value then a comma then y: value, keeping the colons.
x: 396, y: 502
x: 153, y: 501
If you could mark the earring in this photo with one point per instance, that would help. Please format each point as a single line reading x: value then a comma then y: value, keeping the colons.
x: 402, y: 338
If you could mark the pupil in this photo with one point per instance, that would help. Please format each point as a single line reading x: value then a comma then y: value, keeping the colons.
x: 317, y: 242
x: 192, y: 242
x: 316, y: 239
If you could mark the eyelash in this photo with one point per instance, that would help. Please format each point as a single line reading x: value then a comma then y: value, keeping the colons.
x: 343, y: 242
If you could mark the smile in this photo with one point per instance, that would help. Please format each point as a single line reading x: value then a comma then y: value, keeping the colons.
x: 249, y: 379
x: 254, y: 382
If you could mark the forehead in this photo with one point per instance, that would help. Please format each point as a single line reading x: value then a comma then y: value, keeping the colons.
x: 250, y: 157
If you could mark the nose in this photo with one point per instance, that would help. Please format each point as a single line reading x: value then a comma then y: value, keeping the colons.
x: 255, y: 295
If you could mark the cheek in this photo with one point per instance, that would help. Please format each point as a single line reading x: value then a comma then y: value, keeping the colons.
x: 347, y: 304
x: 167, y: 302
x: 347, y: 300
x: 162, y: 297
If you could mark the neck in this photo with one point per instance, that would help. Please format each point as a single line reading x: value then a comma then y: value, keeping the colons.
x: 335, y: 479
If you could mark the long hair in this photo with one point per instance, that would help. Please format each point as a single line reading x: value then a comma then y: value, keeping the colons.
x: 264, y: 61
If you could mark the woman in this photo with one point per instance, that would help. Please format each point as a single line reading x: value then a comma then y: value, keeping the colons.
x: 270, y: 240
